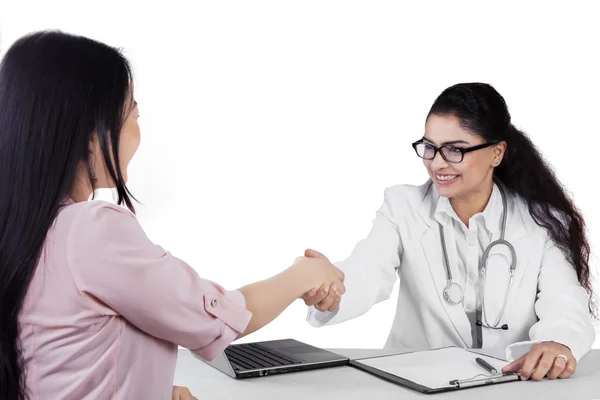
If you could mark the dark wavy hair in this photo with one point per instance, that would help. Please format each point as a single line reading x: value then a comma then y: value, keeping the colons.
x: 483, y: 111
x: 55, y: 91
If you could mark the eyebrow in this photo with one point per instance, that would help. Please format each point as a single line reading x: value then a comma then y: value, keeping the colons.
x: 448, y: 143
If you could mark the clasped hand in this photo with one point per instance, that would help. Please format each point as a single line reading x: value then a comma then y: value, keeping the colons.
x: 327, y: 296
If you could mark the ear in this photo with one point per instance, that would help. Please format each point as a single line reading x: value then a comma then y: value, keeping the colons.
x: 499, y: 151
x: 94, y: 143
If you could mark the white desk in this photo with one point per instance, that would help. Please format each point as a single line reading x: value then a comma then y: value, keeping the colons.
x: 349, y: 383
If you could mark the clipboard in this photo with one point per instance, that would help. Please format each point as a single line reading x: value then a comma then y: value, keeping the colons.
x: 435, y: 371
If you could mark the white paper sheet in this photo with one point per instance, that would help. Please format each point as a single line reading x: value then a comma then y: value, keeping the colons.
x: 435, y: 368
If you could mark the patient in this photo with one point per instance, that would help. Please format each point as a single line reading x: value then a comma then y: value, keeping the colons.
x: 89, y: 306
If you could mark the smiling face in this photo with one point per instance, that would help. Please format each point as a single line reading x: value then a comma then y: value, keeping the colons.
x: 474, y: 173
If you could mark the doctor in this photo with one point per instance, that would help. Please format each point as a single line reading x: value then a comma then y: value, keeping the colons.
x: 491, y: 252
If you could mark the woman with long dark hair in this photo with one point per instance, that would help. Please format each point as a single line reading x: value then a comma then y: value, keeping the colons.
x: 491, y: 252
x: 89, y: 306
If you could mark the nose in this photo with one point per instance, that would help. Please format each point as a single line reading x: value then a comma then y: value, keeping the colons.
x: 438, y: 162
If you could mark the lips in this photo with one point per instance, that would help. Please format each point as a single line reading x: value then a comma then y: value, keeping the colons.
x: 445, y: 179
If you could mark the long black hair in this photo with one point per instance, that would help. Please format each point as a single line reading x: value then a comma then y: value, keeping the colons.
x: 56, y: 90
x: 483, y: 111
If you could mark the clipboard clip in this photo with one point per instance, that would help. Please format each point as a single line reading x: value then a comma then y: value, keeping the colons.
x: 486, y: 380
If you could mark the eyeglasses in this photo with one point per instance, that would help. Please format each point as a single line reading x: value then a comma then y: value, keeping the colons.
x: 450, y: 153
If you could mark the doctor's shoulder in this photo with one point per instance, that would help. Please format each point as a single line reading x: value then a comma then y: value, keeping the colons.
x: 525, y: 210
x: 406, y: 197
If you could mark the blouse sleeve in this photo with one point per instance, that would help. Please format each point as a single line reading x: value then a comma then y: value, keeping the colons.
x: 115, y: 264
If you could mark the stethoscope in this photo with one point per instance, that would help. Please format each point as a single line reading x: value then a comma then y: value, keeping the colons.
x: 453, y: 292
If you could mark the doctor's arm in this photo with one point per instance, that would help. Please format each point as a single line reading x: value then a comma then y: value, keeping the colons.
x: 564, y: 325
x: 370, y: 271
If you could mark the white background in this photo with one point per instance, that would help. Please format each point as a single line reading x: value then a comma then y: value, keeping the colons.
x: 272, y: 126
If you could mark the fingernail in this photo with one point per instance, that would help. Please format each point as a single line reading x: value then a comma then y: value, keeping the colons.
x: 312, y: 292
x: 325, y: 290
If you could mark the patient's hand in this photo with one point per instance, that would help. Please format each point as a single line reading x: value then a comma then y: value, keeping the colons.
x: 328, y: 296
x: 182, y: 393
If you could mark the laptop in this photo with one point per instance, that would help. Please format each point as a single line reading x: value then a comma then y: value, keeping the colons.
x: 250, y: 360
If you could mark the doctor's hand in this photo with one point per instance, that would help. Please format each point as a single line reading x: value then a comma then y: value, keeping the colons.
x: 544, y: 360
x: 327, y: 297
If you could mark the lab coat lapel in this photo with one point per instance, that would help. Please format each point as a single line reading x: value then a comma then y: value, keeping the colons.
x: 518, y: 233
x: 431, y: 244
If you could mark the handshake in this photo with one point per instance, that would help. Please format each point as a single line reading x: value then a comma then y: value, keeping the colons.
x: 326, y: 282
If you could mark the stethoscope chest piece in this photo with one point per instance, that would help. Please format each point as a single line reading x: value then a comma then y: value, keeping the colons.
x: 453, y: 293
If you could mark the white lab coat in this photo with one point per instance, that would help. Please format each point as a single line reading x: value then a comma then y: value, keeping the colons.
x: 545, y: 301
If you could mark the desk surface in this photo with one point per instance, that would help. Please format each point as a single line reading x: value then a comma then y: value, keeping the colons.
x: 349, y: 383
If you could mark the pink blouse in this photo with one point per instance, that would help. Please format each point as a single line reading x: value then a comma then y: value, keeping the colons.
x: 107, y: 308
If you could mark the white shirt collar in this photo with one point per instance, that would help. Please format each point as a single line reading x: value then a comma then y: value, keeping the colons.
x: 491, y: 215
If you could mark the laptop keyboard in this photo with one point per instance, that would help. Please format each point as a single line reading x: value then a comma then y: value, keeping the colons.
x: 255, y: 356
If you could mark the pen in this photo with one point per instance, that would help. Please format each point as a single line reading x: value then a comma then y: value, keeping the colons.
x: 486, y: 366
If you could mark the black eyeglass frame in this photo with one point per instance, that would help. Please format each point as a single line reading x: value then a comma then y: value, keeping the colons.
x: 462, y: 151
